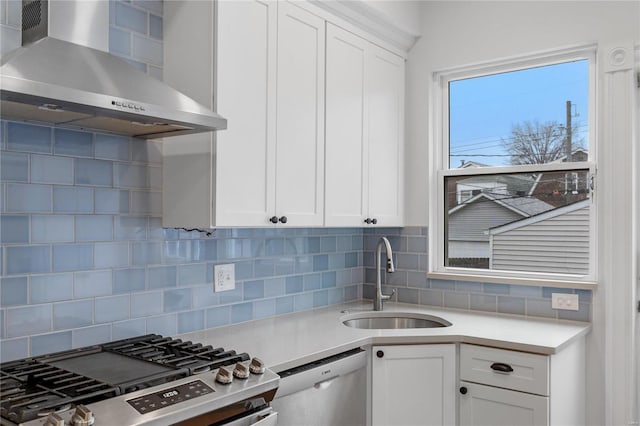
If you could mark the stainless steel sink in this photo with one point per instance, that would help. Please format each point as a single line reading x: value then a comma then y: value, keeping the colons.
x: 393, y: 320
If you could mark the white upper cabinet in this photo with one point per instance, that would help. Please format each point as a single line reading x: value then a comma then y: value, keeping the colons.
x: 268, y: 166
x: 385, y: 123
x: 364, y: 132
x: 346, y: 172
x: 273, y: 70
x: 300, y: 117
x: 245, y: 166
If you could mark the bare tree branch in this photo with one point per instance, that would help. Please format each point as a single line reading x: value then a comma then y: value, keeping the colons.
x: 536, y: 143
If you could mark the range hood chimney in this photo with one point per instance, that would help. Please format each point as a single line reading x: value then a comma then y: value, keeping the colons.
x: 54, y: 81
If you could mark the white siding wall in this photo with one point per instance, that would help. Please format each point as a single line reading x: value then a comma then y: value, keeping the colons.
x: 470, y: 222
x: 559, y: 244
x: 468, y: 249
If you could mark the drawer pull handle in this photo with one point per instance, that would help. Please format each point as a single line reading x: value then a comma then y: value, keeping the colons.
x: 501, y: 367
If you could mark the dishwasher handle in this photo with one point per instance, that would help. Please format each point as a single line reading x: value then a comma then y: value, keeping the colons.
x: 325, y: 383
x: 319, y: 374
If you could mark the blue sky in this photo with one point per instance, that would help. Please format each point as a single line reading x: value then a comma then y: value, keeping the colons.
x: 483, y: 109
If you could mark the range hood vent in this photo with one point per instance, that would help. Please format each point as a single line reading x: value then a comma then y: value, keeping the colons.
x: 53, y: 81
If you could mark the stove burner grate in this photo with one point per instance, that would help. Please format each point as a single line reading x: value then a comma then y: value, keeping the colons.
x: 36, y: 386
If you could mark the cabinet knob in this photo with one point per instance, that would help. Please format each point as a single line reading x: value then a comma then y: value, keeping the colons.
x: 369, y: 221
x: 283, y: 219
x: 374, y: 221
x: 273, y: 219
x: 501, y: 367
x: 379, y: 354
x: 463, y: 390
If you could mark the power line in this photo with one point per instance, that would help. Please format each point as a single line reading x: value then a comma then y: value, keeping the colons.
x: 501, y: 138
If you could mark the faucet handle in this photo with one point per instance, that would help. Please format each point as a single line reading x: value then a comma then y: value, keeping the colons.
x: 388, y: 296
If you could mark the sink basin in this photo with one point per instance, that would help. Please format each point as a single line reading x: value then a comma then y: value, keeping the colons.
x: 393, y: 320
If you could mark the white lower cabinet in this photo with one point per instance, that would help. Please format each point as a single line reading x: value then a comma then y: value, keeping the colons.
x: 413, y: 385
x: 488, y: 405
x: 501, y: 387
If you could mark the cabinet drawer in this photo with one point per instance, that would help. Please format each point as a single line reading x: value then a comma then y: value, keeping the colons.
x: 506, y: 369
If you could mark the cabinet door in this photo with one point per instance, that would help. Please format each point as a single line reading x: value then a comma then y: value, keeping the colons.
x: 385, y: 124
x: 413, y: 385
x: 300, y: 117
x: 246, y: 87
x: 346, y: 168
x: 487, y: 405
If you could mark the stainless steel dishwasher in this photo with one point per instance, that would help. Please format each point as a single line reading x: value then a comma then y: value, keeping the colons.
x: 328, y: 392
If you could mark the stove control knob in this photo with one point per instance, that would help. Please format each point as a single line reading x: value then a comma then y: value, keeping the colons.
x: 241, y: 371
x: 257, y: 366
x: 54, y: 420
x: 224, y: 376
x: 82, y: 416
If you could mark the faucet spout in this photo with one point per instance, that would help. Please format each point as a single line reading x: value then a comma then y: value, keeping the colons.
x: 378, y: 297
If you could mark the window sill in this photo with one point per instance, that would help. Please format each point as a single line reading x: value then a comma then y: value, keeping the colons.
x: 534, y: 282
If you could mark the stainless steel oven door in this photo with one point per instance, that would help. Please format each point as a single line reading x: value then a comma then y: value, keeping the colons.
x: 266, y: 417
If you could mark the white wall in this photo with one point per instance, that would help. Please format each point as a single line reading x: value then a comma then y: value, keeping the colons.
x: 456, y: 33
x: 404, y: 14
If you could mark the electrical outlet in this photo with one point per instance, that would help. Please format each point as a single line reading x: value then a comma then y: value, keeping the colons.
x: 224, y: 277
x: 564, y: 301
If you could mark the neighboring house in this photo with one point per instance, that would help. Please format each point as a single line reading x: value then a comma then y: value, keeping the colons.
x: 563, y: 188
x: 555, y: 241
x: 469, y: 222
x: 480, y: 203
x: 460, y: 190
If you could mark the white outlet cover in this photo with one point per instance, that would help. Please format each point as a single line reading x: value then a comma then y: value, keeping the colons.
x: 224, y: 277
x: 565, y: 301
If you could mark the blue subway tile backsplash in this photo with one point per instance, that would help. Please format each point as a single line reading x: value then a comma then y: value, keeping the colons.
x: 28, y: 320
x: 50, y: 288
x: 155, y: 26
x: 72, y: 142
x: 120, y: 42
x: 74, y: 314
x: 14, y: 167
x: 130, y: 18
x: 112, y: 147
x: 51, y: 169
x: 72, y: 257
x: 13, y: 291
x: 29, y: 138
x: 72, y: 199
x: 47, y: 343
x: 26, y: 259
x: 14, y: 229
x: 84, y: 257
x: 24, y: 198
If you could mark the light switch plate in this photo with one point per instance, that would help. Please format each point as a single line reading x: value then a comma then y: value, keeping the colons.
x: 224, y: 277
x: 564, y: 301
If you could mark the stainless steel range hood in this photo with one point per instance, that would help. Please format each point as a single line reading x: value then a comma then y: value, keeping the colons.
x: 54, y: 81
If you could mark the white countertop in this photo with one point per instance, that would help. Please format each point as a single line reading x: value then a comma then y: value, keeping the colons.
x: 289, y: 340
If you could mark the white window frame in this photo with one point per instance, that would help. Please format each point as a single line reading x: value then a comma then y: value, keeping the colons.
x: 439, y: 169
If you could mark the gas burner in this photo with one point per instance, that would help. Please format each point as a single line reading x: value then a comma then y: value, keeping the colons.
x: 58, y: 385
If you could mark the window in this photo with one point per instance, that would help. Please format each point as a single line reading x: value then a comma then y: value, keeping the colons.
x: 512, y: 172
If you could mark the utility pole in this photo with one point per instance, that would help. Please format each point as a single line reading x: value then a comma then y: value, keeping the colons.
x: 567, y: 141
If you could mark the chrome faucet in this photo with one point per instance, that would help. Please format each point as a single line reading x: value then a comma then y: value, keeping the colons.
x: 378, y: 297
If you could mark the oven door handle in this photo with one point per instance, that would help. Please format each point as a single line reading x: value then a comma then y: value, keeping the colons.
x: 268, y: 419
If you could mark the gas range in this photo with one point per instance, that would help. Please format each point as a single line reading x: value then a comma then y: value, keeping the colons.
x: 146, y: 380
